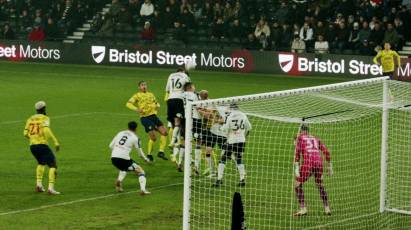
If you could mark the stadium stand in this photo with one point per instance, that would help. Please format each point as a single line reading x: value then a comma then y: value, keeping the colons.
x: 321, y: 26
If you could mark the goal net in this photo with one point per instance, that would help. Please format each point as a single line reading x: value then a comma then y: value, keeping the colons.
x: 366, y: 126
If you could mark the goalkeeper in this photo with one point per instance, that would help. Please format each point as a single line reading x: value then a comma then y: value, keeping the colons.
x: 310, y: 147
x: 386, y: 57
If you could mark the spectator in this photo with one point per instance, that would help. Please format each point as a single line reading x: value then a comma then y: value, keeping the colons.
x: 38, y: 18
x: 184, y: 5
x: 236, y: 30
x: 365, y: 48
x: 320, y: 29
x: 354, y: 38
x: 208, y: 15
x: 364, y: 33
x: 169, y: 17
x: 306, y: 34
x: 217, y: 11
x: 321, y: 46
x: 178, y: 33
x: 286, y: 38
x: 282, y: 13
x: 391, y: 35
x: 147, y: 10
x: 298, y: 45
x: 26, y: 21
x: 197, y: 11
x: 341, y: 38
x: 51, y: 30
x: 123, y: 19
x: 134, y: 8
x: 37, y: 34
x: 219, y: 28
x: 376, y: 36
x: 260, y: 28
x: 148, y: 33
x: 96, y: 23
x: 251, y: 43
x: 264, y: 42
x: 276, y: 35
x: 7, y: 33
x: 187, y: 19
x: 228, y: 12
x: 238, y: 10
x: 174, y: 8
x: 115, y: 8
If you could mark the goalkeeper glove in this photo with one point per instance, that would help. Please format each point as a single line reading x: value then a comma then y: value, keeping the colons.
x: 330, y: 169
x: 166, y: 97
x: 297, y: 169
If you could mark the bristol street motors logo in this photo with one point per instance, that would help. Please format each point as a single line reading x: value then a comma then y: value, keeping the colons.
x: 286, y: 61
x: 98, y: 53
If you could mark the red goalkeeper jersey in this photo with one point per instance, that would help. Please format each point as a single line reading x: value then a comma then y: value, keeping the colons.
x: 310, y: 148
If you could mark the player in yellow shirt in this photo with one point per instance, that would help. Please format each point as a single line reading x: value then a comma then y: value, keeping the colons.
x: 146, y: 104
x: 38, y: 131
x: 387, y: 62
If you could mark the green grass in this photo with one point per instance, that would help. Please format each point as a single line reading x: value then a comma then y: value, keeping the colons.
x: 87, y: 108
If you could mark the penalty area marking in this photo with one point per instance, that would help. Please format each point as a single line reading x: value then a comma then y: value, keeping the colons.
x: 84, y: 200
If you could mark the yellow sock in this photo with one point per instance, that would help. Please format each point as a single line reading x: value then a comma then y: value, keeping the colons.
x: 52, y: 177
x: 39, y: 174
x: 163, y: 143
x: 150, y: 146
x: 170, y: 135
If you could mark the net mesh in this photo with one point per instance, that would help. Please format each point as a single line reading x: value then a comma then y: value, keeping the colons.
x: 348, y: 121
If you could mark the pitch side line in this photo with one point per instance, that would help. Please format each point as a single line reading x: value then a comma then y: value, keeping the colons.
x: 340, y: 221
x: 69, y: 115
x: 83, y: 200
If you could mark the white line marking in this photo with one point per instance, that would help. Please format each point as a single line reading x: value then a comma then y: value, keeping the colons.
x: 343, y: 220
x: 83, y: 200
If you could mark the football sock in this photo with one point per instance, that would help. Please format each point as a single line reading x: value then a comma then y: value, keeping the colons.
x: 52, y: 177
x: 241, y: 171
x: 197, y: 158
x: 181, y: 156
x: 39, y: 174
x: 163, y: 143
x: 175, y: 151
x: 121, y: 175
x: 176, y: 135
x: 142, y: 180
x: 210, y: 164
x: 323, y: 195
x: 300, y: 195
x: 220, y: 174
x: 150, y: 146
x: 170, y: 135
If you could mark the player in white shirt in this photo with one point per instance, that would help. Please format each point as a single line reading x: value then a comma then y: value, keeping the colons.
x: 121, y: 146
x: 190, y: 95
x: 237, y: 127
x: 175, y: 103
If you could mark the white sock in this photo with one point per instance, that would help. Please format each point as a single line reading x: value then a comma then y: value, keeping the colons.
x: 181, y: 156
x: 197, y: 158
x: 142, y: 180
x: 175, y: 151
x: 121, y: 175
x: 241, y: 171
x: 221, y: 167
x: 176, y: 135
x: 210, y: 164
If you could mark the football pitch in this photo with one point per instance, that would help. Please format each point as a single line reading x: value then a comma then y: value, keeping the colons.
x: 86, y: 105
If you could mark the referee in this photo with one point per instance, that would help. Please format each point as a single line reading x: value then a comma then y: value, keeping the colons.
x: 385, y: 58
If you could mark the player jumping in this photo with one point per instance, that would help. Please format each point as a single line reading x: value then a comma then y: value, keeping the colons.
x: 175, y: 103
x: 145, y: 103
x: 121, y: 146
x: 310, y: 147
x: 38, y: 131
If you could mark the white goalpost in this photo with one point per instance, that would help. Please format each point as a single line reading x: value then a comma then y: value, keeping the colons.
x: 364, y: 124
